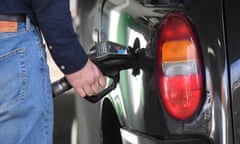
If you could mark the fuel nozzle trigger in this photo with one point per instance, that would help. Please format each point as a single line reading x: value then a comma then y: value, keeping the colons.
x: 99, y: 96
x: 110, y: 59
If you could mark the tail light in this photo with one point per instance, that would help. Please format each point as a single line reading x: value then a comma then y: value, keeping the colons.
x: 179, y: 67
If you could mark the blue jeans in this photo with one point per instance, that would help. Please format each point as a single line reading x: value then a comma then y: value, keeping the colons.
x: 26, y: 105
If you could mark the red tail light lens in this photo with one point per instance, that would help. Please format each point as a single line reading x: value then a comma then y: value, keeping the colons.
x: 179, y: 67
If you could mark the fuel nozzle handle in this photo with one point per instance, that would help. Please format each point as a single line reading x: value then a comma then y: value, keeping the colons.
x: 60, y: 86
x: 110, y: 58
x: 104, y: 92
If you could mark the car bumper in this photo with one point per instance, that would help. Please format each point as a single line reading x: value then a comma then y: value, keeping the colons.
x: 129, y: 137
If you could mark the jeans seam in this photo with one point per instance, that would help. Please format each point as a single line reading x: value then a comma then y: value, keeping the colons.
x: 46, y: 119
x: 38, y: 40
x: 45, y: 116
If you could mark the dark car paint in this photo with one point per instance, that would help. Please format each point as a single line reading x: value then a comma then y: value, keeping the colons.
x: 215, y: 26
x: 232, y: 24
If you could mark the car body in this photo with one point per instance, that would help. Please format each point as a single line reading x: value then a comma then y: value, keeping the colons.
x: 136, y: 111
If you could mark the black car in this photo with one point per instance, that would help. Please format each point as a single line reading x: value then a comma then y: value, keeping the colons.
x: 191, y: 94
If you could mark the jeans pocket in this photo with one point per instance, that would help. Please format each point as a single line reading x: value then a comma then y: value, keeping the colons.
x: 12, y: 78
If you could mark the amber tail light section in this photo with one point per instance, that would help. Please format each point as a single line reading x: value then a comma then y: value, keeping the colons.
x: 180, y: 77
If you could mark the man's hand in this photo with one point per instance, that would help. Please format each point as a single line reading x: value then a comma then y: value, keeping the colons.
x: 87, y: 81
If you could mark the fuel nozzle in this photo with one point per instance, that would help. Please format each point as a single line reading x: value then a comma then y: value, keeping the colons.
x: 110, y: 58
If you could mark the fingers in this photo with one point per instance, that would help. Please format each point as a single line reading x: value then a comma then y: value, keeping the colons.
x: 92, y: 89
x: 81, y: 92
x: 88, y: 90
x: 96, y: 87
x: 88, y: 81
x: 102, y: 81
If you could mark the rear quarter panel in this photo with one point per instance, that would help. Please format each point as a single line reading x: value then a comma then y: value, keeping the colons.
x: 136, y: 99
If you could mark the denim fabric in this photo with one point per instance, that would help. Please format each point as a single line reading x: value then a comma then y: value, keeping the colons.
x: 26, y: 109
